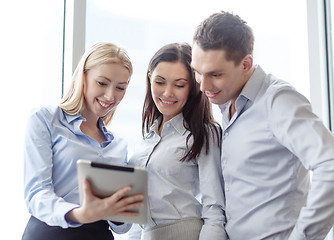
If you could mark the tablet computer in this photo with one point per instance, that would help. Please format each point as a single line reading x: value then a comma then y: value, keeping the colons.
x: 106, y: 179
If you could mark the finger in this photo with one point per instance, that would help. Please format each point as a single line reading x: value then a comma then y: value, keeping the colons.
x: 88, y: 189
x: 130, y: 203
x: 130, y: 210
x: 120, y: 193
x: 127, y: 214
x: 132, y: 199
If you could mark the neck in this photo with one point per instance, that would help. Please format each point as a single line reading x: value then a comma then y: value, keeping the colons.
x: 247, y: 76
x: 91, y: 119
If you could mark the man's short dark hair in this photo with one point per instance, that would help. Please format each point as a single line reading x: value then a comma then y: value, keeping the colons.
x: 228, y: 32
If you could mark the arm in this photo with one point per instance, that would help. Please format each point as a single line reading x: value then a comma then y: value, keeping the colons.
x: 40, y: 197
x: 211, y: 189
x: 299, y: 130
x: 94, y: 208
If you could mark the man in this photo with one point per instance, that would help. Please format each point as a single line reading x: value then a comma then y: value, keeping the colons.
x: 271, y: 140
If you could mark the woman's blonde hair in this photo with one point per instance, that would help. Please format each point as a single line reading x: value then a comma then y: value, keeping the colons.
x: 100, y: 53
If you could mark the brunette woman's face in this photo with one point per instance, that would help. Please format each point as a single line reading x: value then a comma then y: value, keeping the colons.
x: 104, y: 88
x: 170, y: 86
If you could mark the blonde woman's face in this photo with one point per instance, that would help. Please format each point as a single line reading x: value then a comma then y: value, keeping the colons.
x: 104, y: 88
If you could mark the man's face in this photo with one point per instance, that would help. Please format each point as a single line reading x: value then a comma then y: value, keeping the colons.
x: 221, y: 80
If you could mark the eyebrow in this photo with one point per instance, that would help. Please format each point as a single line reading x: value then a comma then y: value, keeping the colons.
x: 179, y: 79
x: 210, y: 72
x: 122, y: 83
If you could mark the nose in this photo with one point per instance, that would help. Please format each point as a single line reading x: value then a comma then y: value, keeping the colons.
x: 169, y: 91
x: 204, y: 82
x: 109, y: 94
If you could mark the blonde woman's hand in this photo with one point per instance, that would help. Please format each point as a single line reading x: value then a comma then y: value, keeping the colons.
x: 94, y: 209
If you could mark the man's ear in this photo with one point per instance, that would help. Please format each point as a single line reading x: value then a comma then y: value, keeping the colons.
x: 247, y: 62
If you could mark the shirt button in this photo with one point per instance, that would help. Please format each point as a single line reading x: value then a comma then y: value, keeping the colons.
x: 224, y: 162
x: 227, y: 189
x: 226, y: 134
x: 228, y: 218
x: 173, y: 132
x: 167, y: 125
x: 99, y: 155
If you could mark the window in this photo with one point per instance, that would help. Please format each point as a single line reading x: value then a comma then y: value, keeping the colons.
x: 329, y: 11
x: 31, y: 72
x: 281, y: 40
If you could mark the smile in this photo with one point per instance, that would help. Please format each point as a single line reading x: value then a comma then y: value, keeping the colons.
x: 211, y: 94
x: 104, y: 104
x: 167, y: 102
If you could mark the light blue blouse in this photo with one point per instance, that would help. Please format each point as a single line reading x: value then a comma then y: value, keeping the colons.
x: 53, y: 144
x: 181, y: 189
x: 270, y: 145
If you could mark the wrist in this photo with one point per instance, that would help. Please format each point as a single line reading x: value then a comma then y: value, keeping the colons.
x: 74, y: 216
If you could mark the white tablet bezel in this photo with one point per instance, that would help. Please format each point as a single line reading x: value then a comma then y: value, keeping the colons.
x: 105, y: 179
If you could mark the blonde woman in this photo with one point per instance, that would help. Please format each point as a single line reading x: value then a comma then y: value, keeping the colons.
x: 58, y: 136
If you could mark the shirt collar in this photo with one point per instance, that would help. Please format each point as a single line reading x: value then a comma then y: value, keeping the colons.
x: 176, y: 122
x: 72, y: 119
x: 251, y: 88
x: 106, y: 132
x: 155, y: 126
x: 254, y: 84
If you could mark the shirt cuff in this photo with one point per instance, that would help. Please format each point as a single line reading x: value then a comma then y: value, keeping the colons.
x: 66, y: 224
x: 295, y: 235
x: 120, y: 229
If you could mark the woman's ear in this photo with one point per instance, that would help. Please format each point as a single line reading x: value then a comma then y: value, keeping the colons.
x: 149, y: 78
x: 84, y: 81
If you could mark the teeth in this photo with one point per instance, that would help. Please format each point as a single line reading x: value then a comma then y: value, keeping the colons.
x: 166, y: 102
x: 104, y: 104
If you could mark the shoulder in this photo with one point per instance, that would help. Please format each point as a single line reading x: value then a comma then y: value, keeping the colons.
x: 267, y: 84
x: 281, y: 91
x: 272, y: 90
x: 40, y: 120
x: 275, y: 84
x: 45, y: 111
x: 45, y: 117
x: 283, y: 101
